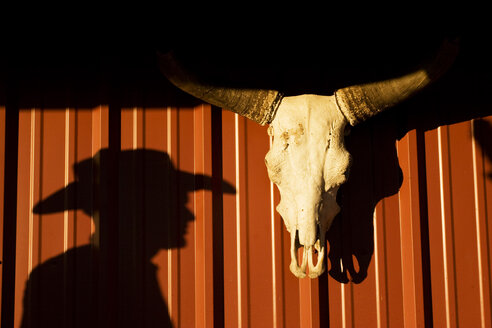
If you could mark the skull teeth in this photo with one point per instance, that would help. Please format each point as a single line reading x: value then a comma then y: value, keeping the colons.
x: 298, y: 271
x: 307, y: 258
x: 316, y: 270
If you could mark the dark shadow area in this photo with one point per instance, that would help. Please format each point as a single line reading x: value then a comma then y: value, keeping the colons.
x: 79, y: 288
x: 374, y: 175
x: 82, y: 66
x: 483, y: 135
x: 86, y: 77
x: 309, y: 60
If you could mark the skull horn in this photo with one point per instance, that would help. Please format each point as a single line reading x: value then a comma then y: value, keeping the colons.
x: 360, y: 102
x: 259, y: 105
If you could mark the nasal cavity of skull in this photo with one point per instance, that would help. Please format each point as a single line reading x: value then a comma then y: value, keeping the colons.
x: 318, y: 235
x: 300, y: 247
x: 300, y: 255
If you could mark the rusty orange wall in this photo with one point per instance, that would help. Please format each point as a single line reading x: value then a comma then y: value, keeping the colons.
x: 127, y: 240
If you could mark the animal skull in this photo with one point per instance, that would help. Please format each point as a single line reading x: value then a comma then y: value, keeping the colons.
x: 308, y: 162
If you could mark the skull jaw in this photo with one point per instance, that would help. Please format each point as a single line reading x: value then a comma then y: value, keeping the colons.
x: 330, y: 210
x: 307, y: 257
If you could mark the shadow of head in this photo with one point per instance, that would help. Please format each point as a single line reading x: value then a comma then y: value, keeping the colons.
x: 148, y: 194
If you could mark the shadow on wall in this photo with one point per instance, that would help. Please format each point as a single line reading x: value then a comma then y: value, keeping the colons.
x: 375, y: 174
x: 483, y: 135
x: 151, y: 215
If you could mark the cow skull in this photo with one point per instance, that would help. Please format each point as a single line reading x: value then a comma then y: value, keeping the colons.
x: 308, y: 162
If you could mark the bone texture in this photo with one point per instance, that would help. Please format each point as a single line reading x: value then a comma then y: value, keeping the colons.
x: 308, y: 162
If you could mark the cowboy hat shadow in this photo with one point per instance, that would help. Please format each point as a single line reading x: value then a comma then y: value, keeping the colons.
x: 149, y: 214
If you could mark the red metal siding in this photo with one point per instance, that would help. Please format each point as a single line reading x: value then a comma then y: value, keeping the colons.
x: 131, y: 241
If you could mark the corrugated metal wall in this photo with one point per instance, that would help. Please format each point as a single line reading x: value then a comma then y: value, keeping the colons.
x: 147, y: 216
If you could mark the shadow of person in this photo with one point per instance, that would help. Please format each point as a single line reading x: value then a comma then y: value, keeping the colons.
x: 69, y: 290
